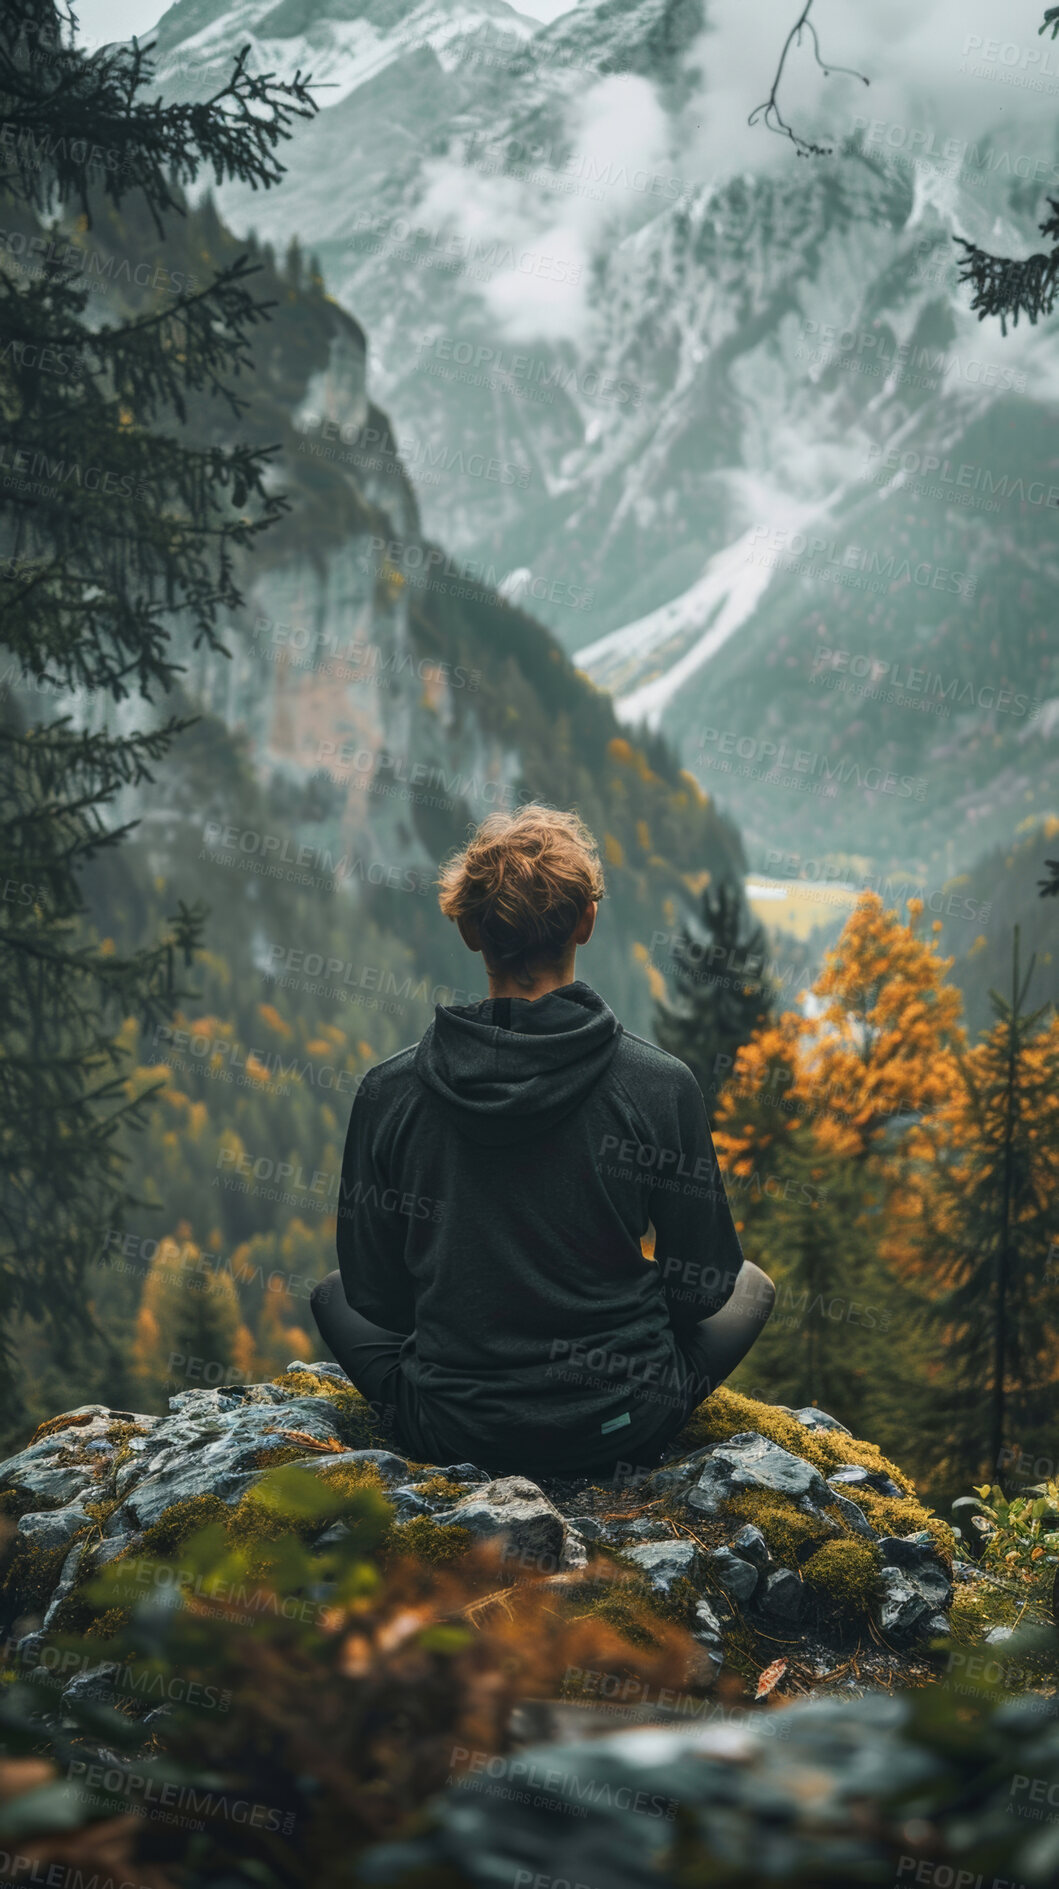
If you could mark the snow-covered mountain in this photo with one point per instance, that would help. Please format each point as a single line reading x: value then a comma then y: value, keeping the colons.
x: 731, y: 433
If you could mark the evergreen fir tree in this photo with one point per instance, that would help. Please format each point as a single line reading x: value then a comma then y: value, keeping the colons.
x: 808, y: 1232
x: 293, y: 267
x: 980, y: 1215
x: 722, y: 994
x: 113, y: 528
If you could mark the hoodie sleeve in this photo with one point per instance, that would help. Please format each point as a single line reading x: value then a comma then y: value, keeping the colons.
x: 696, y: 1244
x: 371, y: 1233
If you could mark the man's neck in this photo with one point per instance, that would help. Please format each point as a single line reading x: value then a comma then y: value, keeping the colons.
x: 503, y: 985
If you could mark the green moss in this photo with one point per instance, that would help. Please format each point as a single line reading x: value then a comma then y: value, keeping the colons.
x: 979, y: 1605
x: 631, y: 1607
x: 348, y: 1478
x: 32, y: 1572
x: 678, y: 1604
x: 266, y: 1458
x: 427, y: 1541
x: 104, y: 1626
x: 121, y: 1436
x: 842, y: 1577
x: 15, y: 1503
x: 99, y: 1511
x: 172, y: 1529
x: 727, y: 1413
x: 891, y: 1517
x: 789, y: 1534
x: 122, y: 1432
x: 442, y: 1487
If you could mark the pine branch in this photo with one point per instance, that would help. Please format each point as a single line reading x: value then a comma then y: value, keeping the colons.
x: 1008, y: 288
x: 89, y: 129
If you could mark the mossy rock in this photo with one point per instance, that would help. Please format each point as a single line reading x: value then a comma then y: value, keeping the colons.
x: 360, y: 1427
x: 351, y: 1478
x: 172, y: 1529
x: 843, y: 1578
x: 427, y: 1540
x: 791, y: 1534
x: 727, y: 1413
x: 632, y: 1606
x: 442, y: 1488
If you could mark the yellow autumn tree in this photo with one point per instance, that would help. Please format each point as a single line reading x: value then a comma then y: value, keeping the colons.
x: 805, y: 1136
x: 190, y: 1333
x: 879, y: 1045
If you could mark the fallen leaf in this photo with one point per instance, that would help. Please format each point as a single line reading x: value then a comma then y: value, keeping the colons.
x: 328, y: 1446
x: 770, y: 1678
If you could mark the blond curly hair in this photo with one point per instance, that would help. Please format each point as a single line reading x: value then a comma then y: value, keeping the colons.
x: 524, y: 880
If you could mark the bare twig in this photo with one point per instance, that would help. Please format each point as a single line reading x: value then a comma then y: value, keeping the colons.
x: 769, y: 113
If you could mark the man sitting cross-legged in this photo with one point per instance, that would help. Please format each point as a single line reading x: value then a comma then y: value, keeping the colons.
x: 499, y: 1177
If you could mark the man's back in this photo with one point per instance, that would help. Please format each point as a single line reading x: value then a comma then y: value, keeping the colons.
x: 497, y: 1183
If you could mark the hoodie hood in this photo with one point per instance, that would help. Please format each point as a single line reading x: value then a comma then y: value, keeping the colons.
x: 509, y: 1068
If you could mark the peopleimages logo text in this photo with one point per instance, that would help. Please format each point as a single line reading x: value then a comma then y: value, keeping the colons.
x: 770, y: 759
x: 830, y: 342
x: 964, y: 477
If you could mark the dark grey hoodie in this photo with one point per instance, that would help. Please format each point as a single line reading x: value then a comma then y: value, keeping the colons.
x: 497, y: 1180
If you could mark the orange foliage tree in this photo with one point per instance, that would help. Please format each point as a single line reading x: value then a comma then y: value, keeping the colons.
x: 806, y: 1134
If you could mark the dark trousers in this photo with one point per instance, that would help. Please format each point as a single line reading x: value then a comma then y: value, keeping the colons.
x: 370, y: 1357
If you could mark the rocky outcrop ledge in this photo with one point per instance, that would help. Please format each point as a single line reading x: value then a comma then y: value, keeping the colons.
x: 769, y: 1531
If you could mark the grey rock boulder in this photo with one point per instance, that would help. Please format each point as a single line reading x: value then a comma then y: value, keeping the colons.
x: 642, y: 1529
x: 737, y: 1577
x: 708, y: 1626
x: 751, y: 1545
x: 917, y: 1559
x: 783, y: 1597
x: 96, y: 1682
x: 49, y: 1484
x: 814, y: 1419
x: 855, y: 1476
x: 66, y: 1582
x: 901, y: 1610
x: 203, y: 1450
x: 853, y: 1516
x: 53, y: 1528
x: 408, y: 1503
x: 589, y: 1527
x: 752, y: 1461
x: 805, y: 1805
x: 515, y: 1513
x: 44, y: 1469
x: 664, y: 1562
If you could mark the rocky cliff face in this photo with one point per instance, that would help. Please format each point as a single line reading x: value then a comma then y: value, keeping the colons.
x: 388, y: 694
x: 763, y: 470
